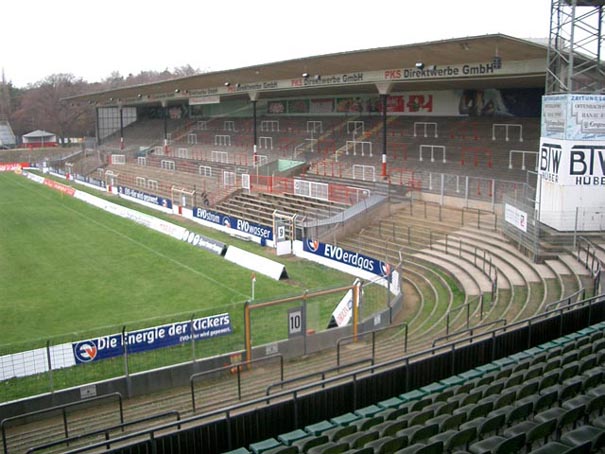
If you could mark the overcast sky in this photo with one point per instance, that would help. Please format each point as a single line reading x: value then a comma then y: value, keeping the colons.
x: 93, y: 39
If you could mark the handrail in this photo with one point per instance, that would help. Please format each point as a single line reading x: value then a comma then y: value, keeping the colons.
x: 63, y: 408
x: 568, y: 299
x: 150, y: 432
x: 238, y: 366
x: 471, y: 329
x: 373, y: 332
x: 321, y: 373
x: 105, y: 431
x: 466, y: 306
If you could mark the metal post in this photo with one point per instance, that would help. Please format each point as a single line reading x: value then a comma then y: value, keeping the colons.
x: 442, y: 193
x: 384, y: 135
x: 50, y: 367
x: 466, y: 191
x: 192, y: 340
x: 121, y: 129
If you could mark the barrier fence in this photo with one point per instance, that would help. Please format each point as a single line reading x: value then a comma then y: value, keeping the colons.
x: 237, y: 425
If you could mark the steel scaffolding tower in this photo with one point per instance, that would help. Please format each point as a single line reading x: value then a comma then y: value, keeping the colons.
x: 575, y: 47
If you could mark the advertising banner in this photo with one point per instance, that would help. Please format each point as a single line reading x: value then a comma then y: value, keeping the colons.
x: 516, y: 217
x: 12, y: 166
x: 208, y: 244
x: 232, y: 222
x: 151, y: 338
x: 572, y: 162
x: 354, y: 259
x: 149, y: 198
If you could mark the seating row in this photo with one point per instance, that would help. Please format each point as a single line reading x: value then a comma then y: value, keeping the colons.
x: 547, y: 399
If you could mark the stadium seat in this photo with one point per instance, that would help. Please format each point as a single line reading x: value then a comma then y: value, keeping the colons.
x: 387, y: 445
x: 359, y: 439
x: 241, y: 450
x: 420, y: 448
x: 336, y: 433
x: 319, y: 427
x: 329, y: 448
x: 485, y: 425
x: 344, y: 419
x: 534, y: 431
x: 304, y: 444
x: 498, y: 445
x: 587, y: 436
x: 282, y: 450
x: 453, y: 438
x: 265, y: 445
x: 391, y: 427
x: 290, y: 437
x: 419, y: 432
x: 370, y: 410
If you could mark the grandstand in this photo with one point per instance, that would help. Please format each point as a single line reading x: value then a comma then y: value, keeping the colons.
x: 7, y: 137
x: 497, y: 342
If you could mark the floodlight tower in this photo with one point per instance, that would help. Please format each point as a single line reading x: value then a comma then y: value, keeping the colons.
x: 575, y: 52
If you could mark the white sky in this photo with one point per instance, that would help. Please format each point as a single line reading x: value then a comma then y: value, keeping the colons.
x: 91, y: 39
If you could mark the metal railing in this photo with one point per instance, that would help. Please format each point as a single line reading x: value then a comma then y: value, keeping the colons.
x: 321, y: 374
x: 63, y: 408
x: 373, y: 333
x: 470, y: 330
x: 567, y: 300
x: 450, y: 348
x: 105, y: 431
x: 238, y: 368
x: 466, y: 306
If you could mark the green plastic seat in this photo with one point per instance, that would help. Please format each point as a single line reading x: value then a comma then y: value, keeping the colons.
x: 282, y: 450
x: 534, y: 431
x: 359, y: 439
x: 344, y: 419
x: 454, y: 438
x: 290, y: 437
x: 590, y: 437
x: 265, y: 445
x: 370, y: 410
x: 329, y: 448
x: 304, y: 444
x: 336, y: 433
x: 387, y: 445
x: 390, y: 427
x: 454, y: 380
x: 434, y: 387
x: 415, y: 394
x: 393, y: 402
x: 319, y: 427
x: 241, y: 450
x: 498, y: 444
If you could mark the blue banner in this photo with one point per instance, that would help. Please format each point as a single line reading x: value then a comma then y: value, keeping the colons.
x: 151, y: 338
x: 354, y: 259
x: 149, y: 198
x: 233, y: 222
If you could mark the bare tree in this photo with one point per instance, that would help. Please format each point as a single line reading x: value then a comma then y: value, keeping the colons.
x: 42, y: 107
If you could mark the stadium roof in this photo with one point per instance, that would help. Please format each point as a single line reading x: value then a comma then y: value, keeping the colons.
x: 523, y: 65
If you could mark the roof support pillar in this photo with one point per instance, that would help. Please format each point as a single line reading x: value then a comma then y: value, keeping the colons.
x: 253, y: 98
x: 165, y: 115
x: 121, y: 127
x: 384, y: 89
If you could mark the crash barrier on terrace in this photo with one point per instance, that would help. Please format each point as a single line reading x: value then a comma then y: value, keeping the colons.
x: 313, y: 408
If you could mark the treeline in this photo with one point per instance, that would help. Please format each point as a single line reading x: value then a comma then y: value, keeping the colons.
x: 41, y: 105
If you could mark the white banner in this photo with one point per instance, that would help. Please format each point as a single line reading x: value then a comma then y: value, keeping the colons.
x: 256, y: 263
x: 572, y: 162
x: 516, y: 217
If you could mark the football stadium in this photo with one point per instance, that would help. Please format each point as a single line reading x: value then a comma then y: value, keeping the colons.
x: 390, y: 250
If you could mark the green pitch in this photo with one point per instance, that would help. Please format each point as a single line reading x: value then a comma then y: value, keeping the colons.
x: 70, y: 272
x: 68, y: 267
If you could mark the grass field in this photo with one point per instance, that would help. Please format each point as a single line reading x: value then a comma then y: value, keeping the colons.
x: 69, y: 271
